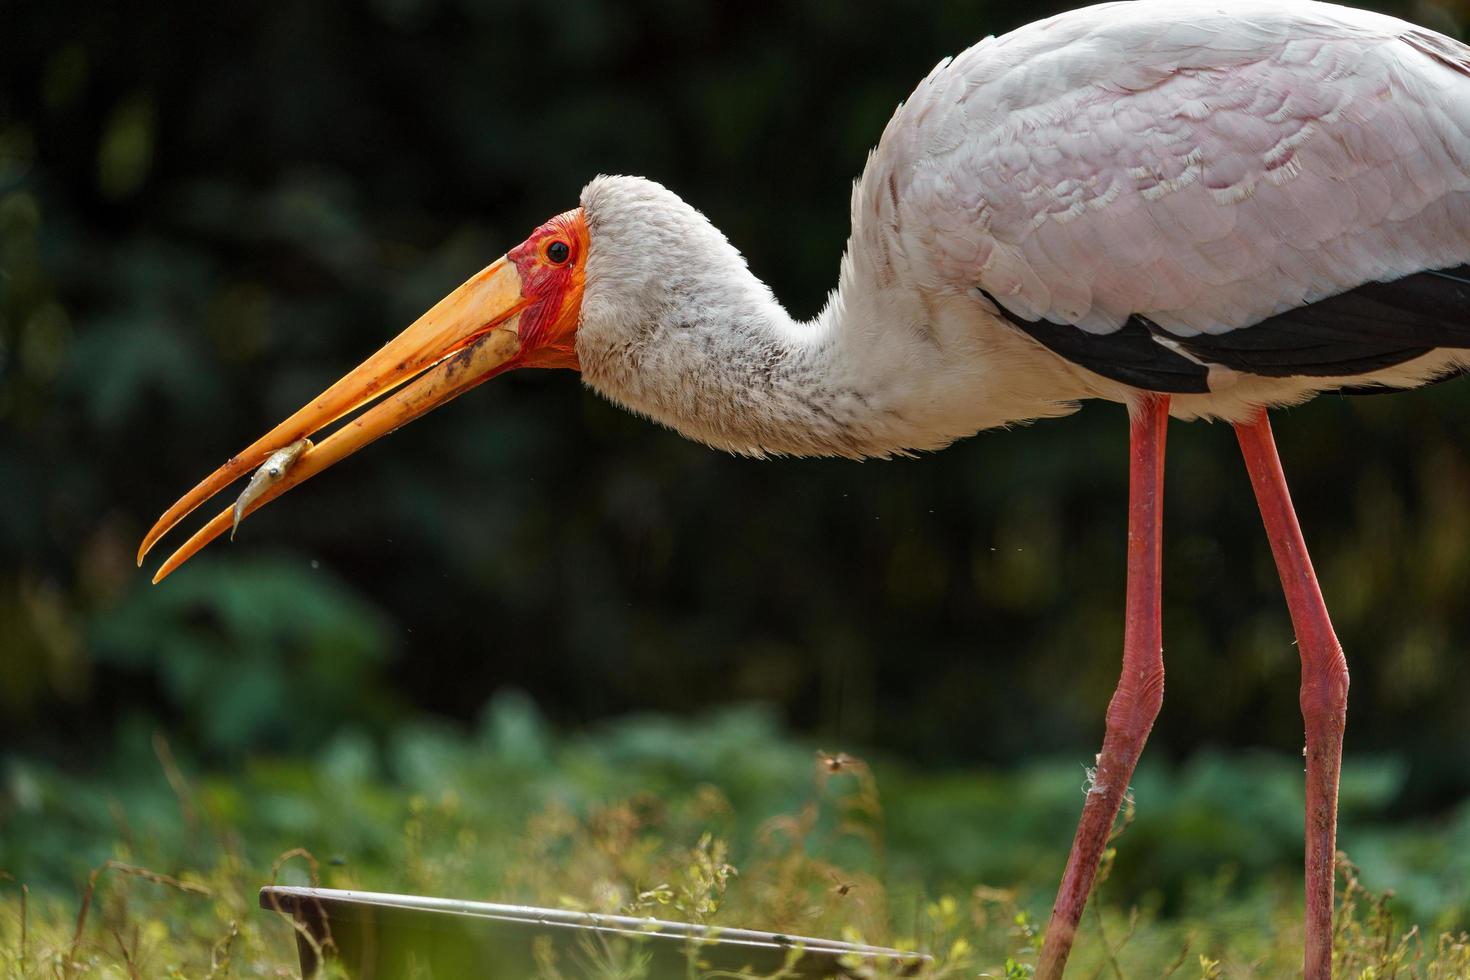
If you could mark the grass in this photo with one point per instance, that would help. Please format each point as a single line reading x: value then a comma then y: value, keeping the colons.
x: 725, y: 823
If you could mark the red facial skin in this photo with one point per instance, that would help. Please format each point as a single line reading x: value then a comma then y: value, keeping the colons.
x: 548, y: 325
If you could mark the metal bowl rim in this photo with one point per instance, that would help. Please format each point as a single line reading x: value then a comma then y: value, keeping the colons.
x: 288, y: 898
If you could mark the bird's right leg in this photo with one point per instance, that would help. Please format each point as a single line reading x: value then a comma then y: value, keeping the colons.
x: 1140, y: 690
x: 1324, y: 684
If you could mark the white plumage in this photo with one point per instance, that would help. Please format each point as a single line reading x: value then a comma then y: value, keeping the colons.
x: 1200, y: 165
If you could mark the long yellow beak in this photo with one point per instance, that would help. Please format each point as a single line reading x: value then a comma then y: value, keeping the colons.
x: 469, y: 336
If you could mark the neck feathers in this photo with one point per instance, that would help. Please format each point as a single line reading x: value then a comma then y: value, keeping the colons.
x: 725, y: 364
x: 677, y: 328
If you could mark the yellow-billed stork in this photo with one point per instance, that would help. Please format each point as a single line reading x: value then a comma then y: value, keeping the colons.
x: 1192, y: 209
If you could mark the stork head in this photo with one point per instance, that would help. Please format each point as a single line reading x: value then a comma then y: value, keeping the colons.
x: 618, y: 288
x: 522, y: 310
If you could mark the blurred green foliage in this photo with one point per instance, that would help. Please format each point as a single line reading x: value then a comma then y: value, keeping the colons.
x: 255, y: 654
x: 640, y: 815
x: 207, y: 213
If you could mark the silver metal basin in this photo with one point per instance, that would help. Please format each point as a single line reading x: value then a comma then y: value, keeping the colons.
x: 376, y: 936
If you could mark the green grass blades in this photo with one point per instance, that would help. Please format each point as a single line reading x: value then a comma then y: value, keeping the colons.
x: 146, y: 868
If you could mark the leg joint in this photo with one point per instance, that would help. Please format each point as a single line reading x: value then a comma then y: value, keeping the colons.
x: 1324, y: 685
x: 1137, y: 700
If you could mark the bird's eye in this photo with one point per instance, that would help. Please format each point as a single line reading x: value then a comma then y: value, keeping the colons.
x: 558, y: 252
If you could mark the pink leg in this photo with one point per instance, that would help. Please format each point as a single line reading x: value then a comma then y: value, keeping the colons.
x: 1324, y: 684
x: 1140, y: 690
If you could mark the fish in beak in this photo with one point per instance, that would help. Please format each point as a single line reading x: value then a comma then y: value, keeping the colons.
x: 521, y: 311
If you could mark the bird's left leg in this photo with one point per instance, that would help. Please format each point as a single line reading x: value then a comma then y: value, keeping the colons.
x: 1140, y: 691
x: 1324, y: 684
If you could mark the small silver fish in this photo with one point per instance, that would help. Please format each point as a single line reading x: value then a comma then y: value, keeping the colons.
x: 275, y: 466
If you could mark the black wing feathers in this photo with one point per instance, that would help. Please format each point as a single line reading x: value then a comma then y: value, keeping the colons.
x: 1129, y: 354
x: 1374, y: 326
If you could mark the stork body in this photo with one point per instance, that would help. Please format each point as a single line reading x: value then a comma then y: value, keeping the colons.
x: 1149, y: 196
x: 1187, y: 210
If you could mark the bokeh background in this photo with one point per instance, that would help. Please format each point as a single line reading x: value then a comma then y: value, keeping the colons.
x: 209, y: 211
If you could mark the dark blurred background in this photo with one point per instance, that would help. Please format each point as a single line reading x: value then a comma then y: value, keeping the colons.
x: 208, y: 212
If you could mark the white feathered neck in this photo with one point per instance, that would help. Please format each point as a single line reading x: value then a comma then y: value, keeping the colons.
x: 676, y: 327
